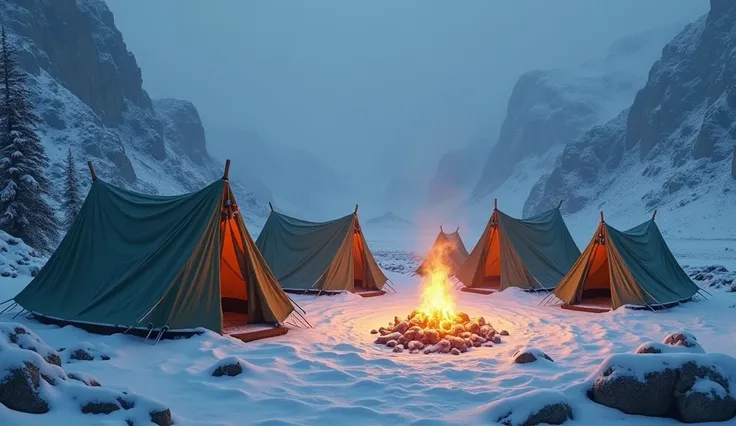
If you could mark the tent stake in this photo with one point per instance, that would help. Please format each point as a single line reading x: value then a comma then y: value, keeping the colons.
x: 92, y: 170
x: 226, y: 175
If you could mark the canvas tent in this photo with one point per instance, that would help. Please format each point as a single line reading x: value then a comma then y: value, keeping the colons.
x: 176, y: 262
x: 633, y: 267
x: 450, y: 248
x: 533, y: 253
x: 328, y: 256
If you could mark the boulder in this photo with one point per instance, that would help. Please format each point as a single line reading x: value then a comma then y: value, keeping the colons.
x: 625, y: 392
x: 455, y: 351
x: 690, y: 387
x: 527, y: 355
x: 401, y: 327
x: 416, y: 345
x: 161, y: 418
x: 98, y: 407
x: 472, y: 327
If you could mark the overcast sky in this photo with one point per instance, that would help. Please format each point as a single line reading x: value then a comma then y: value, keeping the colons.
x: 390, y: 83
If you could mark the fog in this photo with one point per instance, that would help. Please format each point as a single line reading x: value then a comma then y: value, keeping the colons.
x: 375, y: 89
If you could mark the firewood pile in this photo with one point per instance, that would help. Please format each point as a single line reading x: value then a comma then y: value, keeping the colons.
x: 421, y: 333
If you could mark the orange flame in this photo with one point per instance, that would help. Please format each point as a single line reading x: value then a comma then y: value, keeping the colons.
x: 437, y: 303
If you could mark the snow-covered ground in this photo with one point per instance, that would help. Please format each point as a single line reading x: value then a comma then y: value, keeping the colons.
x: 334, y: 374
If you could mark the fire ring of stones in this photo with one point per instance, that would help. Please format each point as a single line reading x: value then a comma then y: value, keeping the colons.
x: 420, y: 333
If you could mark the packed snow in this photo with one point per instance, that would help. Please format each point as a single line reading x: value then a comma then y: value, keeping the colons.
x: 334, y: 373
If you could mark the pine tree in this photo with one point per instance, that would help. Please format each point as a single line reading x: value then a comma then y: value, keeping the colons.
x: 24, y: 211
x: 72, y: 193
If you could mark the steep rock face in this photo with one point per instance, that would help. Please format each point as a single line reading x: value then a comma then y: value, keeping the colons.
x: 181, y: 123
x: 677, y: 138
x: 549, y: 108
x: 87, y: 89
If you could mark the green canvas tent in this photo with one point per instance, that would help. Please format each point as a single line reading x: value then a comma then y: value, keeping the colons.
x: 319, y: 257
x: 633, y: 267
x: 533, y: 253
x: 450, y: 248
x: 176, y: 262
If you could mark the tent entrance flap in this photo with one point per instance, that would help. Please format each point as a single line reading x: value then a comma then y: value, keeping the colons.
x: 491, y: 276
x: 597, y: 283
x: 233, y: 285
x: 358, y: 263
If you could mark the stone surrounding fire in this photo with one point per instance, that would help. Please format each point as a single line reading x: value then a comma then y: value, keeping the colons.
x: 422, y: 333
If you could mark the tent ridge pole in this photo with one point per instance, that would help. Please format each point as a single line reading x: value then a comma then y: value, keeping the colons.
x: 495, y: 204
x: 226, y: 175
x: 356, y: 210
x: 602, y: 221
x: 270, y: 205
x: 559, y: 204
x: 654, y: 214
x: 92, y: 170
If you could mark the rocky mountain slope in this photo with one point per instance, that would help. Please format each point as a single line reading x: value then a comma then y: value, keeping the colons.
x: 88, y: 91
x: 548, y: 108
x: 673, y: 147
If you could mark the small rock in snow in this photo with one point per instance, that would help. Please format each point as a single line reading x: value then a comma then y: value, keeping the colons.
x: 504, y: 333
x: 230, y: 367
x: 455, y: 351
x: 398, y: 349
x: 392, y: 343
x: 527, y: 355
x: 374, y: 331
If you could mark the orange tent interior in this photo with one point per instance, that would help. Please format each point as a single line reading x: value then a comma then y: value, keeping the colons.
x: 358, y: 260
x: 492, y: 264
x: 233, y: 290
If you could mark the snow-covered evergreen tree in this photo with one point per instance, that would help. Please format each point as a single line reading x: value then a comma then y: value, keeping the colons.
x: 72, y: 193
x: 24, y: 211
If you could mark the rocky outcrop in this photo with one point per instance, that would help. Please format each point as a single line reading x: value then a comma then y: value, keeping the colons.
x: 88, y: 91
x: 678, y: 134
x: 549, y: 108
x: 182, y: 125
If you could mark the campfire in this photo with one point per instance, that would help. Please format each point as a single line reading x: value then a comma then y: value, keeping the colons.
x: 435, y: 326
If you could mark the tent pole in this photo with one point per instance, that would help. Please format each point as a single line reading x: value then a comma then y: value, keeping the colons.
x: 441, y: 230
x: 602, y: 221
x: 226, y: 175
x: 356, y: 210
x: 457, y: 230
x: 270, y: 205
x: 654, y: 214
x: 495, y: 204
x: 92, y: 170
x: 559, y: 204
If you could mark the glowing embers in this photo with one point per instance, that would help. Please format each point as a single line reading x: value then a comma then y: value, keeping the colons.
x: 435, y: 327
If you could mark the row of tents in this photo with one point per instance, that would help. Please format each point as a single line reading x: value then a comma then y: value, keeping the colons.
x: 135, y: 263
x: 617, y: 268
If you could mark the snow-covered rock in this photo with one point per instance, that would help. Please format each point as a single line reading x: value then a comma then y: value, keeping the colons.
x: 17, y: 259
x: 32, y: 381
x: 87, y: 90
x: 715, y: 276
x: 548, y: 108
x: 690, y: 387
x: 529, y: 409
x: 672, y: 147
x: 529, y: 354
x: 231, y: 367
